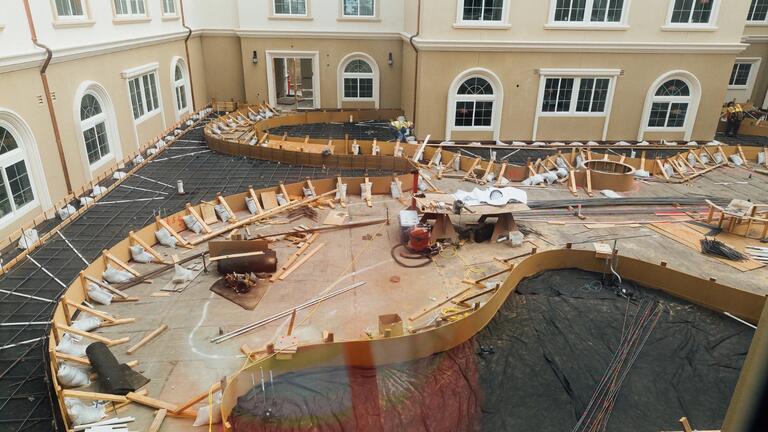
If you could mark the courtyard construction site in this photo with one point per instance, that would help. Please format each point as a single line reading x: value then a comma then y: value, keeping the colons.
x: 258, y: 270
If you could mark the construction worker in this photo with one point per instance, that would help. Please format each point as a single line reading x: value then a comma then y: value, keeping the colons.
x: 733, y: 116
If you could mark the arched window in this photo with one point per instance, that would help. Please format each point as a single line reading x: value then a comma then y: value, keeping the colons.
x: 16, y: 189
x: 358, y: 80
x: 474, y: 103
x: 669, y: 107
x: 93, y: 123
x: 180, y: 89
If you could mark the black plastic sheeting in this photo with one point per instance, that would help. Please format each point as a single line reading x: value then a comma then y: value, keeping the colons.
x: 535, y: 367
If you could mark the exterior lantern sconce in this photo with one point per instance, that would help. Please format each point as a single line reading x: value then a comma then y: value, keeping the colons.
x: 390, y: 61
x: 255, y: 58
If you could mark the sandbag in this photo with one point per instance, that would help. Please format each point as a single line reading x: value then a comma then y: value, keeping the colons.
x: 165, y: 238
x: 99, y: 294
x: 533, y: 180
x: 82, y: 414
x: 308, y: 193
x: 182, y: 275
x: 204, y: 413
x: 192, y: 224
x: 119, y: 175
x: 87, y: 323
x: 98, y: 190
x: 281, y: 199
x: 28, y: 238
x: 69, y: 345
x: 66, y: 212
x: 140, y: 255
x: 222, y: 213
x: 84, y: 201
x: 71, y: 376
x: 341, y: 192
x: 253, y: 208
x: 113, y: 275
x: 737, y: 160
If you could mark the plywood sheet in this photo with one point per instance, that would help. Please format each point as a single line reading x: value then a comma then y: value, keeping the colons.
x: 269, y: 200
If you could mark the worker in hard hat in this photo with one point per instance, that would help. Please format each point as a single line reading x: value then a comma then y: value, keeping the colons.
x: 734, y: 115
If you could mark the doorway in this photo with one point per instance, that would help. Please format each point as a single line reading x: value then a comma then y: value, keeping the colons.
x: 293, y: 79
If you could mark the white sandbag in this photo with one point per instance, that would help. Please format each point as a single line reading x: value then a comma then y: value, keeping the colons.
x: 71, y: 376
x: 253, y: 208
x: 84, y: 201
x: 718, y: 158
x: 355, y: 149
x: 438, y: 158
x: 138, y: 159
x: 308, y: 193
x: 393, y: 187
x: 761, y: 158
x: 99, y: 294
x: 222, y: 213
x: 341, y: 192
x: 87, y: 323
x: 28, y: 238
x: 192, y: 224
x: 209, y: 414
x: 610, y: 194
x: 365, y: 189
x: 490, y: 177
x: 579, y: 162
x: 737, y: 160
x: 71, y: 346
x: 691, y: 159
x: 115, y: 276
x: 140, y: 255
x: 642, y: 173
x: 98, y: 190
x: 503, y: 181
x: 182, y: 275
x: 550, y: 177
x: 165, y: 238
x: 561, y: 173
x: 66, y: 212
x: 160, y: 144
x: 151, y: 151
x: 533, y: 180
x: 457, y: 162
x: 119, y: 175
x: 560, y: 162
x: 422, y: 186
x: 668, y: 169
x: 82, y: 414
x: 281, y: 199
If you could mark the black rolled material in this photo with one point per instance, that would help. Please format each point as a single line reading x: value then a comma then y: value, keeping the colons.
x: 112, y: 376
x: 266, y: 263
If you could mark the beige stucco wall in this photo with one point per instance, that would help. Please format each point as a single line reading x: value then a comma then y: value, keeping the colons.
x: 223, y: 65
x: 520, y: 81
x: 408, y: 82
x: 331, y: 52
x: 197, y: 69
x: 757, y: 96
x: 528, y: 22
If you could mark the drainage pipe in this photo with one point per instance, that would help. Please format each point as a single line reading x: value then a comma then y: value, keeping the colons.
x: 186, y: 48
x: 416, y: 72
x: 48, y: 98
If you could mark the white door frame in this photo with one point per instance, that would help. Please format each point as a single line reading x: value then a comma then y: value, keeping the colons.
x: 314, y: 55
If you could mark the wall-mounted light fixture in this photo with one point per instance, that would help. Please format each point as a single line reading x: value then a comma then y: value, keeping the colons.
x: 390, y: 61
x: 255, y: 58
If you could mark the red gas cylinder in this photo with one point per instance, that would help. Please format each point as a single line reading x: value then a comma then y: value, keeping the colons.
x: 419, y: 238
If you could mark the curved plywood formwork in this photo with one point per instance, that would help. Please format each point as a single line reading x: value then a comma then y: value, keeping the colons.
x: 384, y: 351
x: 607, y: 174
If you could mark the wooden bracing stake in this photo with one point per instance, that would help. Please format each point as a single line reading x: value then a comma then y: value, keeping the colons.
x: 191, y: 210
x: 120, y: 263
x: 471, y: 171
x: 136, y: 239
x: 433, y: 161
x: 164, y: 224
x: 589, y: 182
x: 572, y: 183
x: 158, y: 420
x: 398, y: 151
x: 259, y: 209
x: 765, y: 156
x: 101, y: 284
x: 300, y: 262
x: 488, y: 168
x: 99, y: 314
x: 285, y: 193
x: 368, y: 192
x: 146, y: 339
x: 661, y: 169
x: 311, y: 187
x: 92, y: 336
x: 501, y: 174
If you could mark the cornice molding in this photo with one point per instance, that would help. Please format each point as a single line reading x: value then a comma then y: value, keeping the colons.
x: 292, y: 34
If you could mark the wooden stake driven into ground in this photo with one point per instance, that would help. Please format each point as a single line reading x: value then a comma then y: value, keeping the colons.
x: 259, y: 209
x: 103, y: 285
x: 224, y: 204
x: 191, y: 210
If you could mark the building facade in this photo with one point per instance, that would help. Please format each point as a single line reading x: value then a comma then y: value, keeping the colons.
x: 120, y: 71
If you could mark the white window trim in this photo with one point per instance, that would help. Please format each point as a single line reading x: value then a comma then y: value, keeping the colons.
x: 136, y: 72
x: 710, y: 26
x: 175, y: 84
x: 64, y: 21
x: 273, y: 11
x: 173, y: 14
x: 612, y: 74
x: 453, y: 97
x: 622, y: 24
x: 756, y: 23
x: 21, y: 131
x: 107, y: 109
x: 131, y: 15
x: 341, y: 75
x: 314, y: 55
x: 344, y: 16
x: 753, y: 72
x: 693, y: 104
x: 461, y: 23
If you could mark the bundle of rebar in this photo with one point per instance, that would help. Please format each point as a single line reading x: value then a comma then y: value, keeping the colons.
x: 634, y: 336
x: 632, y: 201
x: 721, y: 250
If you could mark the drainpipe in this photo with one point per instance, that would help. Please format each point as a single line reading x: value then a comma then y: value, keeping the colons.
x: 186, y: 47
x: 47, y: 91
x: 416, y: 72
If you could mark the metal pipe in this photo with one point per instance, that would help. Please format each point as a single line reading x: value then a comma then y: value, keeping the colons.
x: 416, y: 71
x: 48, y: 98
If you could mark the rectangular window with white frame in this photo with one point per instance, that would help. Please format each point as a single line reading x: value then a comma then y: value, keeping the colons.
x: 359, y: 8
x: 290, y: 7
x: 169, y: 8
x: 130, y: 8
x: 144, y: 97
x: 740, y: 75
x: 758, y: 12
x: 482, y: 12
x: 692, y: 13
x: 70, y: 9
x: 575, y: 96
x: 588, y: 12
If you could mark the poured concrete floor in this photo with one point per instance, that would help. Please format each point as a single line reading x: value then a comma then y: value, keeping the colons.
x: 182, y: 362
